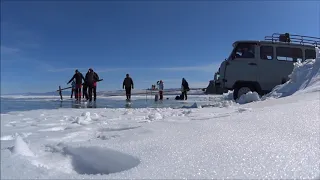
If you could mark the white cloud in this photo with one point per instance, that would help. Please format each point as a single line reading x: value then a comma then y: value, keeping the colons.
x: 164, y: 80
x: 67, y: 69
x: 205, y: 68
x: 176, y: 83
x: 198, y: 84
x: 9, y: 50
x: 112, y: 69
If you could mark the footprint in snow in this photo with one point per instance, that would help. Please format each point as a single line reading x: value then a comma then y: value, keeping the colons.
x: 117, y: 129
x: 244, y: 109
x: 106, y: 137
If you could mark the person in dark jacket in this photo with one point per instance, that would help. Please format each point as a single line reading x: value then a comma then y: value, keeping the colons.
x: 78, y: 77
x: 85, y: 90
x: 128, y: 84
x: 73, y: 87
x: 91, y: 79
x: 95, y: 86
x: 184, y: 89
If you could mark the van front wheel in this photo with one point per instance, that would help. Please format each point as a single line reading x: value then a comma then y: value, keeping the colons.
x: 242, y: 89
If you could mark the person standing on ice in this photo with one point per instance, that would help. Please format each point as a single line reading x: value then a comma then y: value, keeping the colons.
x: 184, y: 89
x: 85, y: 89
x: 161, y: 86
x: 95, y: 85
x: 127, y: 84
x: 91, y: 79
x: 78, y: 77
x: 73, y: 88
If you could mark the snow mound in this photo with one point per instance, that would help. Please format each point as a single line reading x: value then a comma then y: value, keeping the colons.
x: 85, y: 114
x: 155, y: 116
x: 84, y: 119
x: 248, y: 97
x: 228, y: 95
x: 305, y: 78
x: 95, y: 117
x: 21, y: 148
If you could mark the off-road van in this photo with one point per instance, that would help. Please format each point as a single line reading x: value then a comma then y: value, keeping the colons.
x: 261, y: 65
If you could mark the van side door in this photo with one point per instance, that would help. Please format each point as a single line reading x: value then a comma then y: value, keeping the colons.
x: 241, y: 65
x: 268, y: 75
x: 275, y: 70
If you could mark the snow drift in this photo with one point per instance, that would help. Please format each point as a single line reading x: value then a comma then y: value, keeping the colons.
x: 305, y: 78
x: 248, y: 97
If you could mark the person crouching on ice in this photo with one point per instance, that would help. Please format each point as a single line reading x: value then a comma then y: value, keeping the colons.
x: 160, y: 84
x: 78, y: 77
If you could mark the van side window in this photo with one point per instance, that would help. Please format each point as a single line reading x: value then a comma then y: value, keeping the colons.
x: 289, y: 54
x: 244, y: 50
x: 266, y: 52
x: 310, y: 54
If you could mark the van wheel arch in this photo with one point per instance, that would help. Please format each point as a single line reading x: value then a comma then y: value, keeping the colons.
x: 253, y: 86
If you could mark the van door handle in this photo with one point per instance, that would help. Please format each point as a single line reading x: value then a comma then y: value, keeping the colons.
x: 252, y: 64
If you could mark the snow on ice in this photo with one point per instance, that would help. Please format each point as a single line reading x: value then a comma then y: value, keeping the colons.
x: 275, y: 136
x: 249, y: 97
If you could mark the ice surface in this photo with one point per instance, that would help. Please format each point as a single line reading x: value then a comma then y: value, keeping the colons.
x: 276, y: 138
x: 25, y: 103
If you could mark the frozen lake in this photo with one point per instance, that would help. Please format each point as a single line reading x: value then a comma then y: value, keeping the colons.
x: 271, y: 137
x: 26, y: 103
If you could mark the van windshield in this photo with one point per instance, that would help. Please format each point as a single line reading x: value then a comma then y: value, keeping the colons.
x: 243, y: 50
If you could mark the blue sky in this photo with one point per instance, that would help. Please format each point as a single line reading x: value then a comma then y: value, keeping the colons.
x: 43, y: 42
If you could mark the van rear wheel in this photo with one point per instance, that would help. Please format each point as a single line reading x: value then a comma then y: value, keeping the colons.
x: 242, y: 89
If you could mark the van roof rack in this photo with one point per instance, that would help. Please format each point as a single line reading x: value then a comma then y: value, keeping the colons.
x: 293, y: 38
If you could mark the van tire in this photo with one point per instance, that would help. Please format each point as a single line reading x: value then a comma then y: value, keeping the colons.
x: 241, y: 88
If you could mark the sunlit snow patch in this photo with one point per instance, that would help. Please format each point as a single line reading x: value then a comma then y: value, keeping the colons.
x: 12, y: 137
